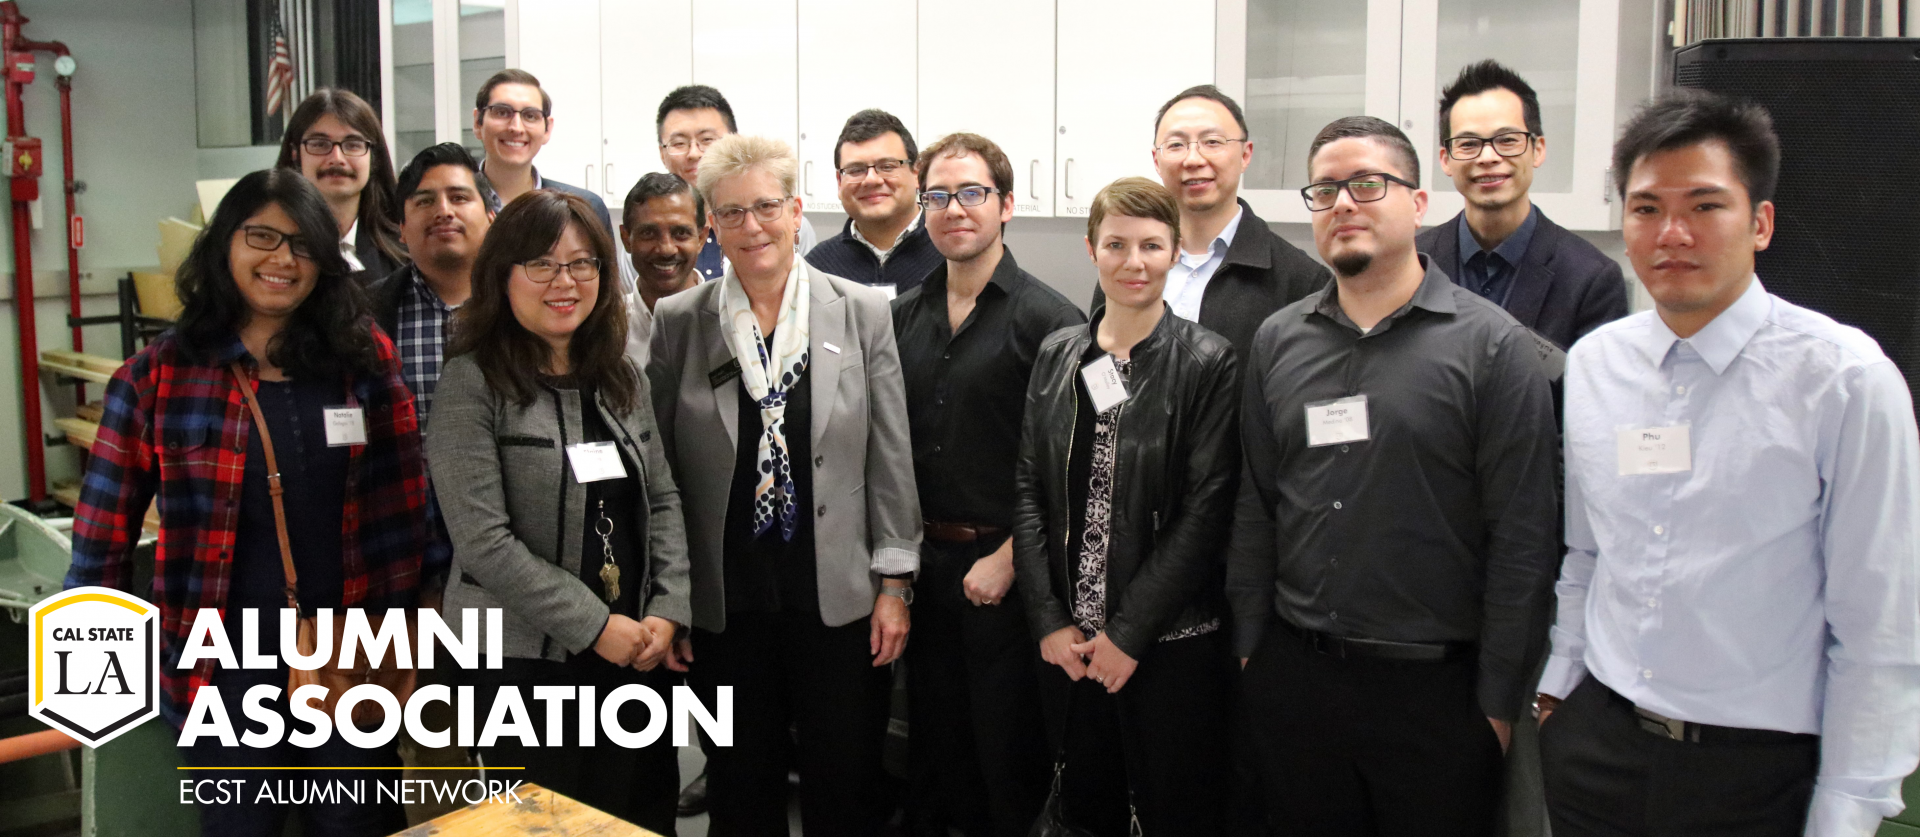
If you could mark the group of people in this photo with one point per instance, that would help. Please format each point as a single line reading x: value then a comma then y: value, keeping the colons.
x: 1249, y: 545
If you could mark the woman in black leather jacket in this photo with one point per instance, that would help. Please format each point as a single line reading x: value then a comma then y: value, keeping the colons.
x: 1119, y: 528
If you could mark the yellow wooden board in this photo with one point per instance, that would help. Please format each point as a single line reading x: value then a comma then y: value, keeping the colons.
x: 90, y: 368
x: 539, y: 811
x: 80, y: 432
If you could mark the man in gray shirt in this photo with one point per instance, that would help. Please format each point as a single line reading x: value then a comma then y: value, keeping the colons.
x: 1396, y: 527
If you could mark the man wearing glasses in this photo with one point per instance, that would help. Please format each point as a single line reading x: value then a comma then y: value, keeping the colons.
x: 884, y: 243
x: 513, y: 119
x: 1233, y: 270
x: 1501, y: 246
x: 968, y: 337
x: 334, y: 140
x: 1396, y: 529
x: 690, y: 120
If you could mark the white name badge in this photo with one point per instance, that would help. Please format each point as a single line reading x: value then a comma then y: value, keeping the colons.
x: 346, y: 426
x: 1103, y: 382
x: 889, y: 290
x: 1337, y: 422
x: 595, y: 461
x: 1655, y: 450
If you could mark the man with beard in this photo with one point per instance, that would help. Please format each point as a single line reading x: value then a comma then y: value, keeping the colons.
x: 884, y: 243
x: 663, y: 224
x: 691, y: 119
x: 1396, y: 529
x: 334, y: 140
x: 968, y: 337
x: 1501, y: 246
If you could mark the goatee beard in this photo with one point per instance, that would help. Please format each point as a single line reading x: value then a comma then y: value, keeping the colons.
x: 1349, y: 265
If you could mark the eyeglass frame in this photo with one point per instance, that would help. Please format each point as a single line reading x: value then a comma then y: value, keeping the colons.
x: 488, y: 112
x: 1343, y: 186
x: 688, y: 145
x: 946, y: 198
x: 720, y: 213
x: 898, y: 164
x: 334, y: 143
x: 527, y: 267
x: 1488, y: 142
x: 296, y: 244
x: 1200, y: 143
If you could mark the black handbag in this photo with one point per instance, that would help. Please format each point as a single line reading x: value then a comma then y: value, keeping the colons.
x: 1053, y: 818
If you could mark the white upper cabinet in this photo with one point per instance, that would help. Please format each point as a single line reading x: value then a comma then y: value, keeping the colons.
x: 1296, y: 65
x: 550, y: 37
x: 1118, y: 62
x: 646, y: 50
x: 747, y: 50
x: 853, y: 55
x: 986, y: 67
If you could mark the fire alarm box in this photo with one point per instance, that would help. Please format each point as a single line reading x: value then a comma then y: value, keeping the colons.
x: 23, y: 156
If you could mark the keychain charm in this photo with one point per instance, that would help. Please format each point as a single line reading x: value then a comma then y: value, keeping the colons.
x: 609, y: 573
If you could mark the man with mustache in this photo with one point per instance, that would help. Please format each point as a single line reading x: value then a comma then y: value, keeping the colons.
x: 1501, y: 246
x: 691, y: 119
x: 663, y: 224
x: 884, y: 243
x: 1396, y: 527
x: 334, y: 140
x: 1738, y: 649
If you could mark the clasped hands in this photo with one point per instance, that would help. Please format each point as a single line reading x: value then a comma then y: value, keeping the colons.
x: 1097, y: 658
x: 643, y: 644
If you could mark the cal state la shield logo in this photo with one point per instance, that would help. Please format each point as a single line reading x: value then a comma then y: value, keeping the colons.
x: 94, y: 663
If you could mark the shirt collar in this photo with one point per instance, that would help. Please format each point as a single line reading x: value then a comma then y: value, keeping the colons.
x: 911, y: 226
x: 1511, y: 250
x: 1723, y: 338
x: 1434, y: 294
x: 425, y: 292
x: 348, y: 241
x: 1221, y: 243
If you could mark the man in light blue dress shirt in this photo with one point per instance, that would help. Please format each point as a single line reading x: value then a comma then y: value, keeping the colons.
x: 1737, y: 649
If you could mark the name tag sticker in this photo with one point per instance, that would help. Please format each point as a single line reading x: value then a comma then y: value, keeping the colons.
x: 829, y: 347
x: 346, y: 426
x: 1103, y: 382
x: 595, y: 461
x: 1655, y: 450
x: 1337, y: 422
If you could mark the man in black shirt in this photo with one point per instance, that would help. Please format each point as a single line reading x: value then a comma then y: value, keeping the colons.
x: 1396, y: 530
x: 968, y: 336
x: 884, y: 243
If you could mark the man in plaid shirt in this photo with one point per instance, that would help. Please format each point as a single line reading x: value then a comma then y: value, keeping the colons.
x: 176, y: 430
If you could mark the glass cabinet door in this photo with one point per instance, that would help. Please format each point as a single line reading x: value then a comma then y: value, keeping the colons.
x: 413, y: 78
x: 483, y: 52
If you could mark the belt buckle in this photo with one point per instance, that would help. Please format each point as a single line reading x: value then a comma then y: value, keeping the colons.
x: 1661, y: 725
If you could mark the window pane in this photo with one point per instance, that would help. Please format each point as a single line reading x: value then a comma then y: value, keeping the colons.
x: 412, y: 78
x: 483, y: 52
x: 1540, y: 40
x: 1306, y: 66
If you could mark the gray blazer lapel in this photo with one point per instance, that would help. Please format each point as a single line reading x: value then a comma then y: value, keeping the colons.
x: 826, y: 324
x: 726, y: 396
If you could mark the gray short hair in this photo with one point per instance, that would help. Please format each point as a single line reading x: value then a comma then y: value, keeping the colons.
x: 735, y: 154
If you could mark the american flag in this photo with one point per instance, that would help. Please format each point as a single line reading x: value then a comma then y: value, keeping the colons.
x: 280, y: 66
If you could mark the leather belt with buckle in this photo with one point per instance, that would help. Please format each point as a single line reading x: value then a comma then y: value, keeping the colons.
x: 1344, y: 647
x: 1674, y: 729
x: 959, y: 532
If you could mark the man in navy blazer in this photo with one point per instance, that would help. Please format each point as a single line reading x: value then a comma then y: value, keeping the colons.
x: 1502, y: 246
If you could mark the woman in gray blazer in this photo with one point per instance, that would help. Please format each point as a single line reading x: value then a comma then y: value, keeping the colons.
x: 562, y: 508
x: 780, y: 401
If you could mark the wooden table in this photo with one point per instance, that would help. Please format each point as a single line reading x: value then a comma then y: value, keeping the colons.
x: 539, y: 811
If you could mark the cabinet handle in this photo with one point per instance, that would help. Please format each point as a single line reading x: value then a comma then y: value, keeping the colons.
x: 1066, y: 180
x: 606, y: 178
x: 586, y: 175
x: 1033, y: 179
x: 806, y: 179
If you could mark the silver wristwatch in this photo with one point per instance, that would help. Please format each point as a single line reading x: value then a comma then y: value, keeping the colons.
x: 904, y: 594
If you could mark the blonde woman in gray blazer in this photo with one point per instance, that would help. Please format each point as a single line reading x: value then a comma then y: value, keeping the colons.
x: 780, y: 401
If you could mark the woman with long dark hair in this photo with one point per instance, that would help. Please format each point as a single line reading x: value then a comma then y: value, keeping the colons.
x: 268, y: 307
x: 563, y: 511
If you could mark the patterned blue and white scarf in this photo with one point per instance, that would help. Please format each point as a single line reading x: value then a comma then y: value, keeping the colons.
x: 767, y: 380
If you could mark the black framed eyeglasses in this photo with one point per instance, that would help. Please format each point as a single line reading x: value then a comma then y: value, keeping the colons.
x: 268, y: 239
x: 504, y: 113
x: 969, y: 196
x: 544, y: 271
x: 1509, y: 144
x: 767, y: 211
x: 1363, y: 188
x: 887, y: 167
x: 322, y: 146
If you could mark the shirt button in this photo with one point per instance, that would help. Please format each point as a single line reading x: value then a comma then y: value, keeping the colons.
x: 822, y: 512
x: 1334, y: 615
x: 1680, y: 390
x: 1647, y: 674
x: 1653, y: 603
x: 1343, y: 448
x: 818, y: 461
x: 1659, y: 530
x: 936, y: 448
x: 1336, y: 504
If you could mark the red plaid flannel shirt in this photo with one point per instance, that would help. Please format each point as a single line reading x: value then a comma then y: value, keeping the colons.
x: 177, y: 430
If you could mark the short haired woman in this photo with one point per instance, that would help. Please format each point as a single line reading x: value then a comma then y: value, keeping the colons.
x: 562, y: 509
x: 1125, y: 493
x: 270, y: 327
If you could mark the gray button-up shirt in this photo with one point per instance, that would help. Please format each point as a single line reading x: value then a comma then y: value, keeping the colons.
x: 1441, y: 526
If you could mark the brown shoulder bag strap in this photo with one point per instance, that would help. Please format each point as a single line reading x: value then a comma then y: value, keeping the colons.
x: 245, y: 383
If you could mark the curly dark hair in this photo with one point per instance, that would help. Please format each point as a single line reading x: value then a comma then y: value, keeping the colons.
x: 330, y: 333
x: 512, y: 358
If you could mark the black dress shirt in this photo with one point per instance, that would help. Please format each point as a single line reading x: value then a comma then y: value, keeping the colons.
x: 1489, y: 273
x: 768, y: 574
x: 967, y: 390
x: 1439, y: 528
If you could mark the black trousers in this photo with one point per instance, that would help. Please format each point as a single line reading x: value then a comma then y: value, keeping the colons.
x: 977, y: 753
x: 795, y: 682
x: 239, y: 815
x: 1174, y: 709
x: 1607, y: 776
x: 1363, y: 746
x: 638, y: 785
